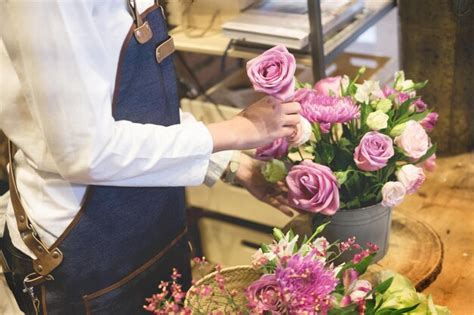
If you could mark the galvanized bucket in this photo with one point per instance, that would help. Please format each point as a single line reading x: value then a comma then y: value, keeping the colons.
x: 369, y: 224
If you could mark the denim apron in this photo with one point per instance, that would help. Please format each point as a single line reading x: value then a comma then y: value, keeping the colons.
x: 125, y: 240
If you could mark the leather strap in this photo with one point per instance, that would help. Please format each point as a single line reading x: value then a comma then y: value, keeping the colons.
x: 47, y: 260
x: 164, y: 50
x: 142, y: 31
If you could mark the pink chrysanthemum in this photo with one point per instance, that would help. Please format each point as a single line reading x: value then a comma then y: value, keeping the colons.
x: 326, y: 110
x: 306, y: 285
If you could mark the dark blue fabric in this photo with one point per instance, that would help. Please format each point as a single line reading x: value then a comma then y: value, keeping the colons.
x: 121, y: 228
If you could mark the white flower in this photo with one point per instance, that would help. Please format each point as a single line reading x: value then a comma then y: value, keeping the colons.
x: 285, y: 247
x: 393, y: 194
x: 414, y: 140
x: 368, y: 91
x: 411, y: 177
x: 377, y: 120
x: 306, y: 132
x: 384, y: 105
x: 400, y: 83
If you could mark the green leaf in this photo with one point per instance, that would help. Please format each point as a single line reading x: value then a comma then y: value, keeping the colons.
x: 428, y: 153
x: 382, y: 287
x: 326, y: 152
x: 361, y: 267
x: 415, y: 117
x: 278, y: 234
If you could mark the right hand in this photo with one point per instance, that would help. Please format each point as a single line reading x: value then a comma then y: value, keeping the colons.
x: 259, y: 124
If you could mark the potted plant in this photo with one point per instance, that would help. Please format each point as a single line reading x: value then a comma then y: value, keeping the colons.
x: 364, y: 147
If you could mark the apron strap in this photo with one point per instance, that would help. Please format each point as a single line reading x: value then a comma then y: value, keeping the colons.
x: 47, y: 260
x: 142, y: 30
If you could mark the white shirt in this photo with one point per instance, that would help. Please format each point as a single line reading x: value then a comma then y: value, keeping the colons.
x: 56, y: 81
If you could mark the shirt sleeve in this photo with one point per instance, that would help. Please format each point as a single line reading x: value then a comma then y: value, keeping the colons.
x: 218, y: 161
x: 63, y: 65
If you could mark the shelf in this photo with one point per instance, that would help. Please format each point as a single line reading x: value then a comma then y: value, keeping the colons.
x: 215, y: 43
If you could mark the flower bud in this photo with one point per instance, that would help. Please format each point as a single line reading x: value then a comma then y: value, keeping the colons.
x: 384, y: 105
x: 274, y: 171
x: 398, y: 129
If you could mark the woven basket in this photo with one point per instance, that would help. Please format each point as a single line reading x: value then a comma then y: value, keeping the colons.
x: 236, y: 278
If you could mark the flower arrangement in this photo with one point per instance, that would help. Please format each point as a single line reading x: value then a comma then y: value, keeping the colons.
x: 366, y: 143
x: 295, y: 278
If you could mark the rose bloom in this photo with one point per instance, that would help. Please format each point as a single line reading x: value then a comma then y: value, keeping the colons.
x: 329, y: 86
x: 264, y: 295
x: 313, y: 187
x: 429, y: 122
x: 273, y: 73
x: 393, y: 194
x: 373, y: 151
x: 411, y: 177
x: 414, y: 140
x: 277, y: 149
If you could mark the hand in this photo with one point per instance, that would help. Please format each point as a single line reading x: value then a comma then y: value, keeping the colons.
x: 261, y: 123
x: 250, y: 177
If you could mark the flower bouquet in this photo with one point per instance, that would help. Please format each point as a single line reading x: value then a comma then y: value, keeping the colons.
x: 286, y: 278
x: 365, y: 146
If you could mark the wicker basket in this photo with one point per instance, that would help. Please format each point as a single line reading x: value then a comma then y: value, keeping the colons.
x: 236, y: 278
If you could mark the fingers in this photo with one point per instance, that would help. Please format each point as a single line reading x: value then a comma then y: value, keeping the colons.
x: 292, y: 120
x: 275, y: 202
x: 291, y: 108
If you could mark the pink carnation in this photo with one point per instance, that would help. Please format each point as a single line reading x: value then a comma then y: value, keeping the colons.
x: 273, y: 73
x: 313, y: 187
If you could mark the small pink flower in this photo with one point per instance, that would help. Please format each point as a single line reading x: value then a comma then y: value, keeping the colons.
x: 393, y: 194
x: 420, y: 106
x: 313, y: 187
x: 329, y: 86
x: 277, y: 149
x: 430, y: 163
x: 273, y: 73
x: 429, y: 122
x: 373, y: 151
x: 413, y: 141
x: 411, y: 176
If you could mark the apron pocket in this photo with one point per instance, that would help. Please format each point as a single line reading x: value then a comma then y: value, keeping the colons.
x: 127, y: 296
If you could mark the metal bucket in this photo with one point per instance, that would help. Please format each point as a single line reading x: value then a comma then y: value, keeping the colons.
x: 369, y: 224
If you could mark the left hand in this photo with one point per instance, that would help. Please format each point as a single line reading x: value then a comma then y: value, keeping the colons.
x: 250, y: 177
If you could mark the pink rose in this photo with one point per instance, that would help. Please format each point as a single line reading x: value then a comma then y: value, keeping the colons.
x: 393, y: 194
x: 273, y: 73
x: 430, y: 163
x: 264, y: 295
x: 277, y: 149
x: 414, y: 140
x: 429, y: 122
x: 313, y: 187
x: 373, y: 151
x: 411, y: 177
x: 329, y: 86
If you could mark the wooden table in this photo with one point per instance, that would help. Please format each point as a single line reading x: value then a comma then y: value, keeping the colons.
x: 446, y: 203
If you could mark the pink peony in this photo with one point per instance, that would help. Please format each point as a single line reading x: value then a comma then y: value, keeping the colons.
x: 264, y: 295
x: 329, y: 86
x: 277, y: 149
x: 326, y: 110
x: 411, y: 177
x: 306, y: 285
x: 429, y: 122
x: 393, y: 194
x: 373, y: 151
x: 273, y: 73
x: 413, y: 141
x: 430, y: 163
x: 313, y: 187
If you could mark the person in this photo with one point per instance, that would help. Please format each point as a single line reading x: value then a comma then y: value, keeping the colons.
x: 96, y: 217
